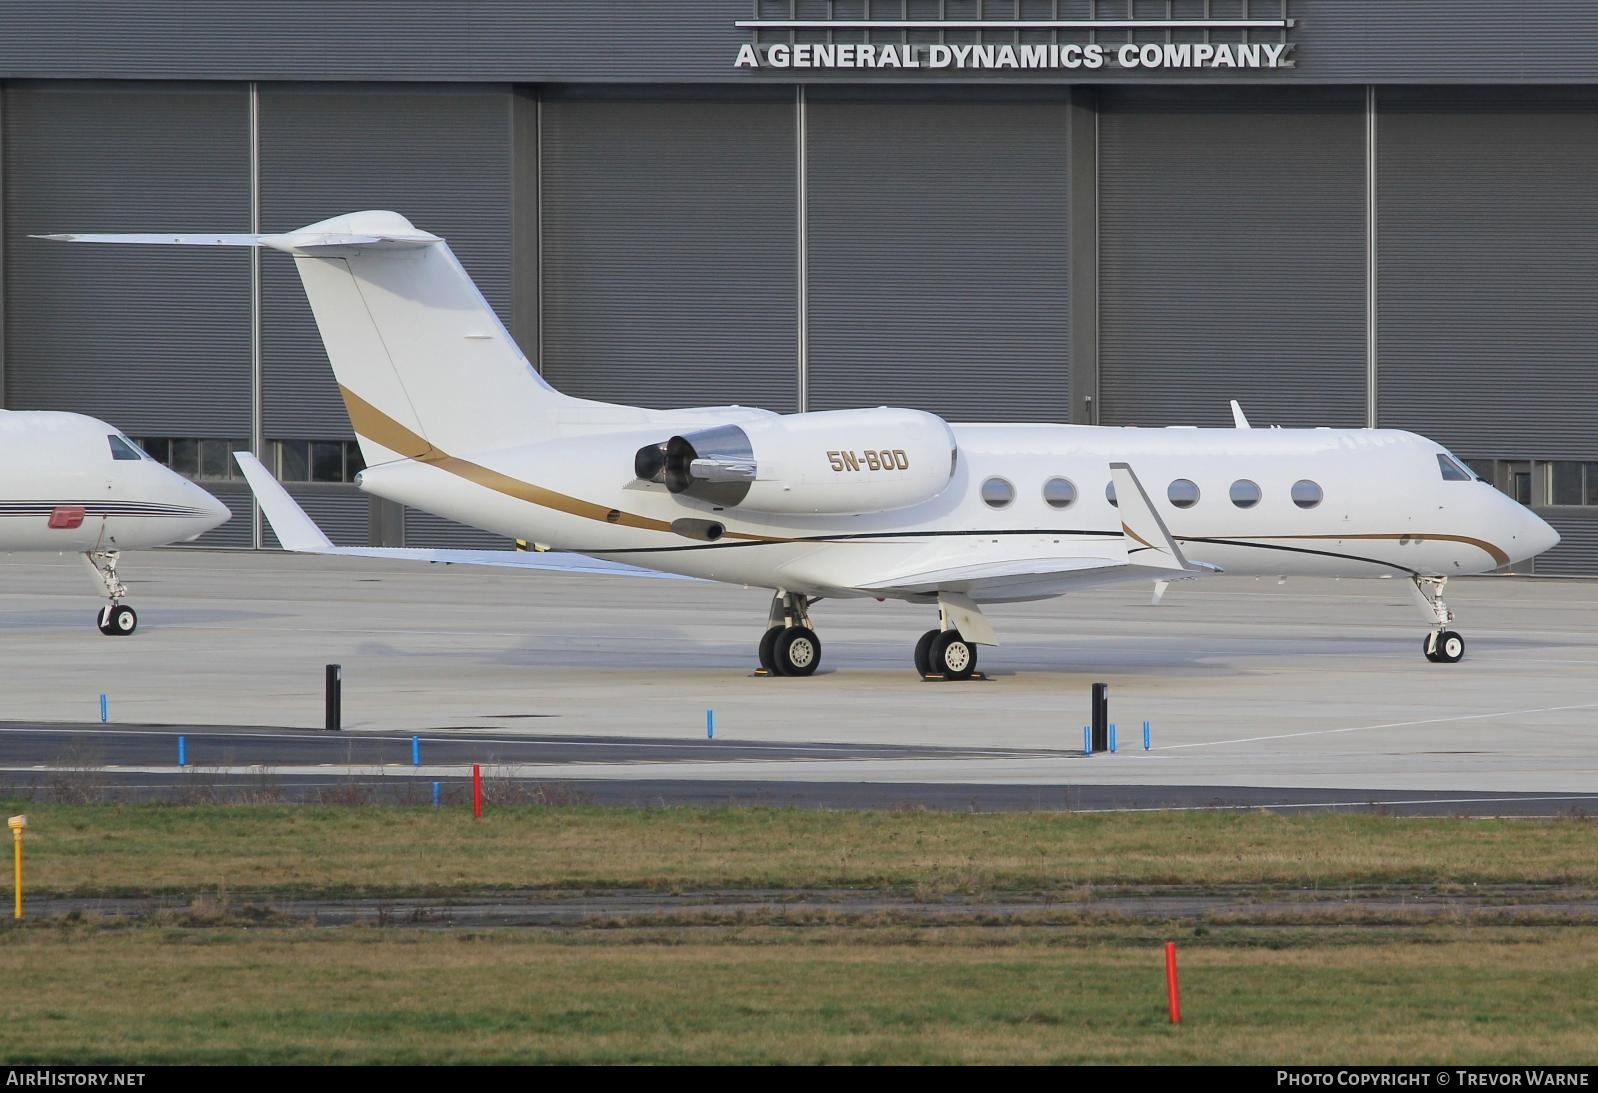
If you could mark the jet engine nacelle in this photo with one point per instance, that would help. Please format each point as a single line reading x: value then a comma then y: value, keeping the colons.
x: 834, y: 461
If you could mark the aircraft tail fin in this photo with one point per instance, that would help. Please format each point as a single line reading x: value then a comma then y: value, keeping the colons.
x: 424, y: 365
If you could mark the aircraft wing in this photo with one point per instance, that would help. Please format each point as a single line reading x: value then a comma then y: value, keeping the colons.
x: 299, y: 533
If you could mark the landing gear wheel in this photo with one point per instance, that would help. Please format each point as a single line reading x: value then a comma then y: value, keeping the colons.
x: 1446, y: 647
x: 952, y: 656
x: 924, y: 653
x: 797, y: 651
x: 768, y: 650
x: 118, y: 619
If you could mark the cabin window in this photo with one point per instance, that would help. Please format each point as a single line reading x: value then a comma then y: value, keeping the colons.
x: 1452, y: 471
x: 121, y: 449
x: 1109, y: 494
x: 1059, y: 493
x: 1245, y: 494
x: 1183, y: 493
x: 1306, y: 494
x: 997, y: 493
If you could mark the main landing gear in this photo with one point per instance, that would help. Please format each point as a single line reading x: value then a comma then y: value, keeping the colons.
x: 789, y: 646
x: 116, y: 618
x: 944, y: 654
x: 1441, y: 645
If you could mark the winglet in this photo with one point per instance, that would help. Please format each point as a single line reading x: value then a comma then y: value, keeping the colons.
x: 1238, y: 420
x: 295, y: 530
x: 1150, y: 543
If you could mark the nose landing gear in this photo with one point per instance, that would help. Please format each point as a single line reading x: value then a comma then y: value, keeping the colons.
x: 1441, y: 645
x: 115, y: 619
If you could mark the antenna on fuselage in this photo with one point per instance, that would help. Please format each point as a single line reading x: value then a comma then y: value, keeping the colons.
x: 1238, y: 420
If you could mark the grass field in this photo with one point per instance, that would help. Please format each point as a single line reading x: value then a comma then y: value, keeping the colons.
x: 138, y: 849
x: 154, y: 995
x: 846, y: 987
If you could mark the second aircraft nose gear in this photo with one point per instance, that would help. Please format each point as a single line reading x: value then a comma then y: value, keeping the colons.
x: 1442, y: 645
x: 116, y: 618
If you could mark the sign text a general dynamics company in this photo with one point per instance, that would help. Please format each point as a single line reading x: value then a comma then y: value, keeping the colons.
x: 864, y: 55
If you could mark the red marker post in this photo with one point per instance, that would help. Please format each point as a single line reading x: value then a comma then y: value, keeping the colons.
x: 1170, y: 983
x: 477, y: 792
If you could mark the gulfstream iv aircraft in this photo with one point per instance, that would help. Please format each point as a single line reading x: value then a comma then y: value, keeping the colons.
x: 69, y: 482
x: 880, y: 502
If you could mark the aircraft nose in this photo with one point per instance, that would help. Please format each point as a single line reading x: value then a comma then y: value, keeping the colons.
x: 215, y: 512
x: 1538, y: 536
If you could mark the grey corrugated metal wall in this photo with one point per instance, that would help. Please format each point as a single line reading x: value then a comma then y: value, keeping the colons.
x: 425, y: 529
x: 1488, y: 279
x: 153, y: 340
x: 1488, y: 275
x: 669, y: 250
x: 1577, y: 552
x: 1232, y: 257
x: 441, y: 156
x: 939, y: 255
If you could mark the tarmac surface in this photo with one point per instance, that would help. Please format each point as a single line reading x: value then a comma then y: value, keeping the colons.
x: 1312, y: 692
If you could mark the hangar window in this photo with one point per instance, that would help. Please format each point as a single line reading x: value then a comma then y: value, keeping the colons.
x: 317, y: 460
x: 1059, y: 493
x: 1306, y: 494
x: 203, y: 458
x: 121, y: 449
x: 1245, y: 494
x: 997, y: 493
x: 1109, y: 494
x: 1183, y: 493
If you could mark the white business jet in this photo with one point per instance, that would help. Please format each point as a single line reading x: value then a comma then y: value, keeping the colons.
x: 69, y: 482
x: 880, y: 502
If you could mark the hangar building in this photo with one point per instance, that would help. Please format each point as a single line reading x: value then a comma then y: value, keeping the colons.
x: 1340, y: 212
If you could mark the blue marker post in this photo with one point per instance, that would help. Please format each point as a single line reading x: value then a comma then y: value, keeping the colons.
x: 1087, y: 739
x: 435, y: 794
x: 1112, y: 737
x: 710, y: 724
x: 102, y: 708
x: 416, y: 751
x: 182, y: 758
x: 1145, y: 736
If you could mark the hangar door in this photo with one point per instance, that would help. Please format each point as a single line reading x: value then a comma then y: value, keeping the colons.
x: 668, y: 238
x: 1232, y: 256
x: 938, y: 253
x: 155, y: 342
x: 439, y: 155
x: 1488, y: 288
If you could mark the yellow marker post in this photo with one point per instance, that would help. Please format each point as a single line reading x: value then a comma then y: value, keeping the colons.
x: 17, y: 823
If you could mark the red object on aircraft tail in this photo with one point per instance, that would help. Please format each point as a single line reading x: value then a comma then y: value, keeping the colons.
x: 1170, y: 983
x: 66, y: 517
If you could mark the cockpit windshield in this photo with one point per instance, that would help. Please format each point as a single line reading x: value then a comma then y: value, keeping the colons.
x: 123, y: 448
x: 1453, y: 470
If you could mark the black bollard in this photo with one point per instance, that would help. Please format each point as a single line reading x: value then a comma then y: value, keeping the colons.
x: 335, y: 697
x: 1101, y: 717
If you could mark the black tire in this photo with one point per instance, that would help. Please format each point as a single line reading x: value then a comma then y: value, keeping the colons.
x: 122, y: 621
x: 1450, y: 647
x: 768, y: 650
x: 797, y: 651
x: 102, y: 621
x: 952, y: 656
x: 924, y: 653
x: 1426, y: 648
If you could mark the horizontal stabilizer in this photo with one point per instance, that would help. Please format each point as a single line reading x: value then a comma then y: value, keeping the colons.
x: 299, y: 533
x: 309, y: 243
